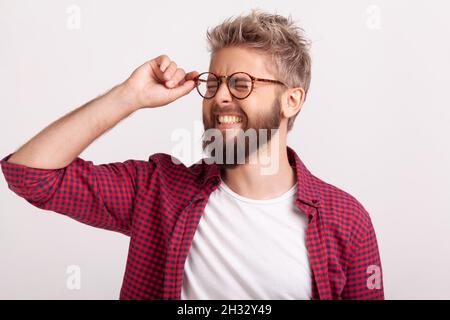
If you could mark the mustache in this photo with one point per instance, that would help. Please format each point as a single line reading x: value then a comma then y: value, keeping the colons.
x: 219, y: 110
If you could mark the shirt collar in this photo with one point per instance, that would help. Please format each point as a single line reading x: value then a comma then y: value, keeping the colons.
x: 306, y: 192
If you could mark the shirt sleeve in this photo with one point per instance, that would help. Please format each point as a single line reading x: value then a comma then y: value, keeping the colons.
x: 364, y: 272
x: 101, y: 196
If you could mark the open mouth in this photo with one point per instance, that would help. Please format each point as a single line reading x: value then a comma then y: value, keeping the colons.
x: 228, y: 120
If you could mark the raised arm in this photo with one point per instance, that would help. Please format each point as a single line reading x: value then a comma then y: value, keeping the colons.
x: 62, y: 141
x: 48, y: 173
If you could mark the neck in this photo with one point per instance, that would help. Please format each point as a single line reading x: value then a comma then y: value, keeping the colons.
x: 266, y: 175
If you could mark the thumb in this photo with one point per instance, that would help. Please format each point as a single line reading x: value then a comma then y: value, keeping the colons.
x: 183, y: 89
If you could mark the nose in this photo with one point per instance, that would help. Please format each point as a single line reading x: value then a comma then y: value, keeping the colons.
x: 223, y: 95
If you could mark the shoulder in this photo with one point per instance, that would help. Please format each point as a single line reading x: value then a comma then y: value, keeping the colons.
x: 342, y: 211
x: 171, y: 169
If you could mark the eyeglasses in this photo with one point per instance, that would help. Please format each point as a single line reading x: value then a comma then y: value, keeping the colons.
x: 240, y: 84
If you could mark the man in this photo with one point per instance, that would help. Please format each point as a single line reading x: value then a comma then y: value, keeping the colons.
x: 218, y: 229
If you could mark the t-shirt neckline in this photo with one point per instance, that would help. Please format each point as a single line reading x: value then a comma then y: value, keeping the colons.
x: 237, y: 196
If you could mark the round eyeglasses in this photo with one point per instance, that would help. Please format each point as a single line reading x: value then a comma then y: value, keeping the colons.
x: 240, y: 84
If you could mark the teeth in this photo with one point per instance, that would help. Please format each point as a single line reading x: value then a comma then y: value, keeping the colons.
x: 229, y: 119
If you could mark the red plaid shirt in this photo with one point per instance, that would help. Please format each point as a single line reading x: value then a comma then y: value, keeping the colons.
x: 159, y: 203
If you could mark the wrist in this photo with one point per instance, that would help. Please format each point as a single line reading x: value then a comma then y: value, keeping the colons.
x: 127, y: 96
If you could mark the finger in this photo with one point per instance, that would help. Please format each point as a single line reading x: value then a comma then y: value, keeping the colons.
x: 176, y: 78
x: 163, y: 62
x: 182, y: 90
x: 191, y: 75
x: 170, y: 71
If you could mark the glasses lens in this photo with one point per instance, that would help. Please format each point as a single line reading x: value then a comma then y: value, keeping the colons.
x: 207, y: 85
x: 240, y: 85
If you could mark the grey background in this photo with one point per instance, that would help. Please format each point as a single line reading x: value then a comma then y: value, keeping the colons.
x: 375, y: 124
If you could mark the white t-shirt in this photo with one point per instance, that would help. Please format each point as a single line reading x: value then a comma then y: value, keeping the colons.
x: 248, y: 249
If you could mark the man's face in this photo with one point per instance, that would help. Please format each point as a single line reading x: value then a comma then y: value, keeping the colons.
x: 260, y: 110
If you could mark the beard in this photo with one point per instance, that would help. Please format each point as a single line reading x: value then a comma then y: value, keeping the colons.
x: 229, y: 152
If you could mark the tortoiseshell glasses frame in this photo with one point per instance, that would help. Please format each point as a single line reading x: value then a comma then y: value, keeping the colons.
x: 231, y: 85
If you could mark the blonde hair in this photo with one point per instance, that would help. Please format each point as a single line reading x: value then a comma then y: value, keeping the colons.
x: 272, y: 34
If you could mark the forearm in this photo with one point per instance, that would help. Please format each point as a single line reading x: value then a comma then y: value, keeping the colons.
x: 61, y: 142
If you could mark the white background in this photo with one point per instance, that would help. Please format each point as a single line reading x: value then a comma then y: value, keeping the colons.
x: 376, y: 123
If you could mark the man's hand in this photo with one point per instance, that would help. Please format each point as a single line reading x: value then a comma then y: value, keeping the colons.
x: 158, y: 82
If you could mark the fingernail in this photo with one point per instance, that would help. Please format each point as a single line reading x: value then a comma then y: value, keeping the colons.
x: 170, y: 83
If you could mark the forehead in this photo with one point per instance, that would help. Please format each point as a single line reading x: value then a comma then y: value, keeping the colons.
x: 233, y: 59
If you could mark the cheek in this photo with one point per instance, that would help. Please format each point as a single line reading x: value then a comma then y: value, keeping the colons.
x: 252, y: 109
x: 206, y: 107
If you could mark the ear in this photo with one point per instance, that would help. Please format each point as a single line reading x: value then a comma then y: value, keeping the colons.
x: 294, y: 98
